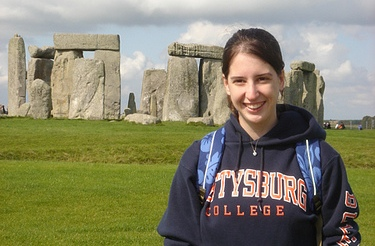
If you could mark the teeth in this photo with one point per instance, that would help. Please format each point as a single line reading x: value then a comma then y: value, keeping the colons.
x: 255, y: 106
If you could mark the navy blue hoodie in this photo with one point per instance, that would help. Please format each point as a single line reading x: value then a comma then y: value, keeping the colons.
x: 233, y: 216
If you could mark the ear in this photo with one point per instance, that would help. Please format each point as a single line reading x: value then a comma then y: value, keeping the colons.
x: 282, y: 80
x: 226, y: 85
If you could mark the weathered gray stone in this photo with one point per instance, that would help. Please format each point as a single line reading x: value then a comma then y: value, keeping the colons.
x: 16, y: 74
x: 72, y: 41
x: 209, y: 121
x: 182, y: 90
x: 294, y: 87
x: 212, y: 96
x: 46, y: 52
x: 143, y: 119
x: 305, y: 88
x: 40, y: 99
x: 62, y: 81
x: 131, y: 103
x: 319, y: 96
x: 24, y: 110
x: 39, y: 68
x: 153, y: 106
x: 153, y: 91
x: 309, y: 93
x: 87, y: 99
x: 302, y: 65
x: 196, y: 50
x: 112, y: 98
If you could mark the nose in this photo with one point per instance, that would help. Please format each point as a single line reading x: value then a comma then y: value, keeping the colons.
x: 251, y: 91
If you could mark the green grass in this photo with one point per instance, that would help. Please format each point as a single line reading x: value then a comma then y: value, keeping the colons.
x: 95, y: 141
x: 75, y: 182
x: 44, y: 203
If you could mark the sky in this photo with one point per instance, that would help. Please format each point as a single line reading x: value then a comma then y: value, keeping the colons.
x: 338, y: 36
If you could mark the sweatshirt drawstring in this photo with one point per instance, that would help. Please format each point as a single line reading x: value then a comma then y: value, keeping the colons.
x: 260, y: 181
x: 239, y: 152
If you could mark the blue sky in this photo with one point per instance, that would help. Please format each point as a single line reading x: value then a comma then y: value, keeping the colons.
x: 338, y: 36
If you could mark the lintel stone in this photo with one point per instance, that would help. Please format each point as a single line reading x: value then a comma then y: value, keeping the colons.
x: 89, y: 42
x: 303, y: 65
x: 195, y: 50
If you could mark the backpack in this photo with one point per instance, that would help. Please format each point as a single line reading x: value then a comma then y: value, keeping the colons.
x: 308, y: 156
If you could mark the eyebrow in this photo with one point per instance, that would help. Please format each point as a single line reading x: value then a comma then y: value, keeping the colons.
x: 241, y: 77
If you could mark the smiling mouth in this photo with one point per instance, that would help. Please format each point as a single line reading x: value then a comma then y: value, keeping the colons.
x: 255, y: 106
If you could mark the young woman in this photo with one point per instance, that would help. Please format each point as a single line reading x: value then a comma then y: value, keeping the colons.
x: 259, y: 194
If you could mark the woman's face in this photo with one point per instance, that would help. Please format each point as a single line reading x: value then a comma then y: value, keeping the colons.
x: 253, y: 87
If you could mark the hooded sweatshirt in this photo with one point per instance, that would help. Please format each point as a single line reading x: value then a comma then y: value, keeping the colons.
x: 244, y: 209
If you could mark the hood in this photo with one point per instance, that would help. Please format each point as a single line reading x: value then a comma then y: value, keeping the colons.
x: 294, y: 125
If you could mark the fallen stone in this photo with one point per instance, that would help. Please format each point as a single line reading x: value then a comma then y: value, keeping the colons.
x: 143, y: 119
x: 24, y: 110
x: 204, y: 120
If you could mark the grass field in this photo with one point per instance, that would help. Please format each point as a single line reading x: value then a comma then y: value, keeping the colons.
x: 75, y: 182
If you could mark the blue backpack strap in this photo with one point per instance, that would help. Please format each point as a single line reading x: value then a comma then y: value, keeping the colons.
x: 308, y: 156
x: 211, y: 149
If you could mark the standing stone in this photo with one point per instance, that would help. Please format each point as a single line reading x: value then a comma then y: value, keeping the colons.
x: 131, y: 103
x: 181, y: 100
x: 87, y: 99
x: 62, y: 81
x: 153, y: 91
x: 153, y: 106
x: 40, y: 99
x: 39, y: 68
x: 304, y: 87
x: 16, y: 75
x: 293, y: 88
x: 112, y: 97
x: 309, y: 93
x: 319, y: 96
x: 212, y: 95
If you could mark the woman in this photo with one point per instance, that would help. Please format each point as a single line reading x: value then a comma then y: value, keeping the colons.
x: 260, y: 141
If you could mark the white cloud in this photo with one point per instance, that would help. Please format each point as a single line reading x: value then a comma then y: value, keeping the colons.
x: 205, y: 32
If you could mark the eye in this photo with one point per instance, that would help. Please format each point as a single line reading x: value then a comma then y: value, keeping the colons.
x: 264, y: 79
x: 239, y: 81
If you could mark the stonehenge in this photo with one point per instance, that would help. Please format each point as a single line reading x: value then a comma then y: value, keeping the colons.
x: 79, y: 88
x: 62, y: 83
x: 193, y: 90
